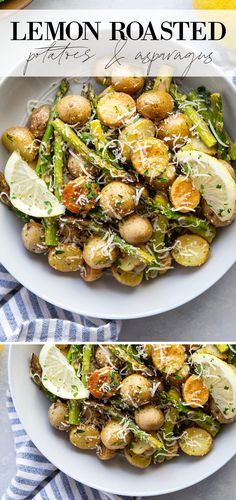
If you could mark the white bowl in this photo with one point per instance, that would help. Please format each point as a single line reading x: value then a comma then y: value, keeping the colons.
x: 116, y: 476
x: 106, y: 298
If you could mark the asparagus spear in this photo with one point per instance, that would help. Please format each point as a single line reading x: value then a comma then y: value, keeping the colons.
x: 196, y: 119
x: 87, y: 353
x: 157, y: 243
x: 44, y: 157
x: 201, y: 104
x: 89, y: 92
x: 44, y: 160
x: 164, y: 79
x: 218, y: 123
x: 87, y: 154
x: 74, y: 410
x: 137, y: 432
x: 204, y: 421
x: 126, y: 356
x: 58, y: 164
x: 167, y: 434
x: 50, y: 231
x: 193, y: 223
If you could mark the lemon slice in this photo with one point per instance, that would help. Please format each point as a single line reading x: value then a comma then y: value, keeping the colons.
x: 213, y: 180
x: 220, y: 379
x: 29, y: 193
x: 58, y: 376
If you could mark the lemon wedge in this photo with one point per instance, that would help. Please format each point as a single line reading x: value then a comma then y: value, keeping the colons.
x: 213, y: 180
x: 58, y: 376
x: 29, y: 193
x: 220, y: 379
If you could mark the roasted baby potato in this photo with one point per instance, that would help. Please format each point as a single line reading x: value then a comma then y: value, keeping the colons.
x: 128, y: 278
x: 128, y: 84
x: 85, y: 437
x: 98, y: 254
x: 174, y: 130
x: 117, y: 199
x: 33, y: 237
x: 135, y: 229
x: 114, y: 109
x: 190, y: 250
x: 150, y: 157
x: 149, y: 418
x: 38, y: 120
x: 155, y: 105
x: 195, y: 392
x: 115, y: 436
x: 138, y: 130
x: 57, y: 416
x: 168, y: 358
x: 136, y: 390
x: 184, y: 196
x: 74, y: 109
x: 195, y: 442
x: 137, y: 460
x: 22, y: 140
x: 89, y: 274
x: 66, y: 257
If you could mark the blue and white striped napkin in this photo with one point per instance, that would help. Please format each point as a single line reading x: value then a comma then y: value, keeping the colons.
x: 36, y: 478
x: 25, y: 317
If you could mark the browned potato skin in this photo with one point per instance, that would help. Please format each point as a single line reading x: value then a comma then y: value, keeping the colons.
x: 219, y: 415
x: 135, y: 229
x: 155, y: 104
x: 89, y: 274
x: 115, y: 108
x: 128, y: 84
x: 195, y: 392
x: 213, y: 218
x: 74, y: 109
x: 149, y: 418
x: 184, y: 196
x: 168, y: 358
x: 105, y: 454
x: 38, y: 120
x: 117, y: 199
x: 22, y: 140
x: 57, y: 414
x: 66, y: 257
x: 150, y: 158
x: 175, y: 129
x: 33, y: 237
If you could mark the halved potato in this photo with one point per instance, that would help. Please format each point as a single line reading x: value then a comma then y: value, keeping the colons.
x: 195, y: 392
x: 184, y: 195
x: 195, y: 442
x: 168, y: 358
x: 190, y: 250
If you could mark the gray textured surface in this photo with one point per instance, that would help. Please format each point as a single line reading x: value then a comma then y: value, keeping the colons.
x: 208, y: 317
x: 220, y: 485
